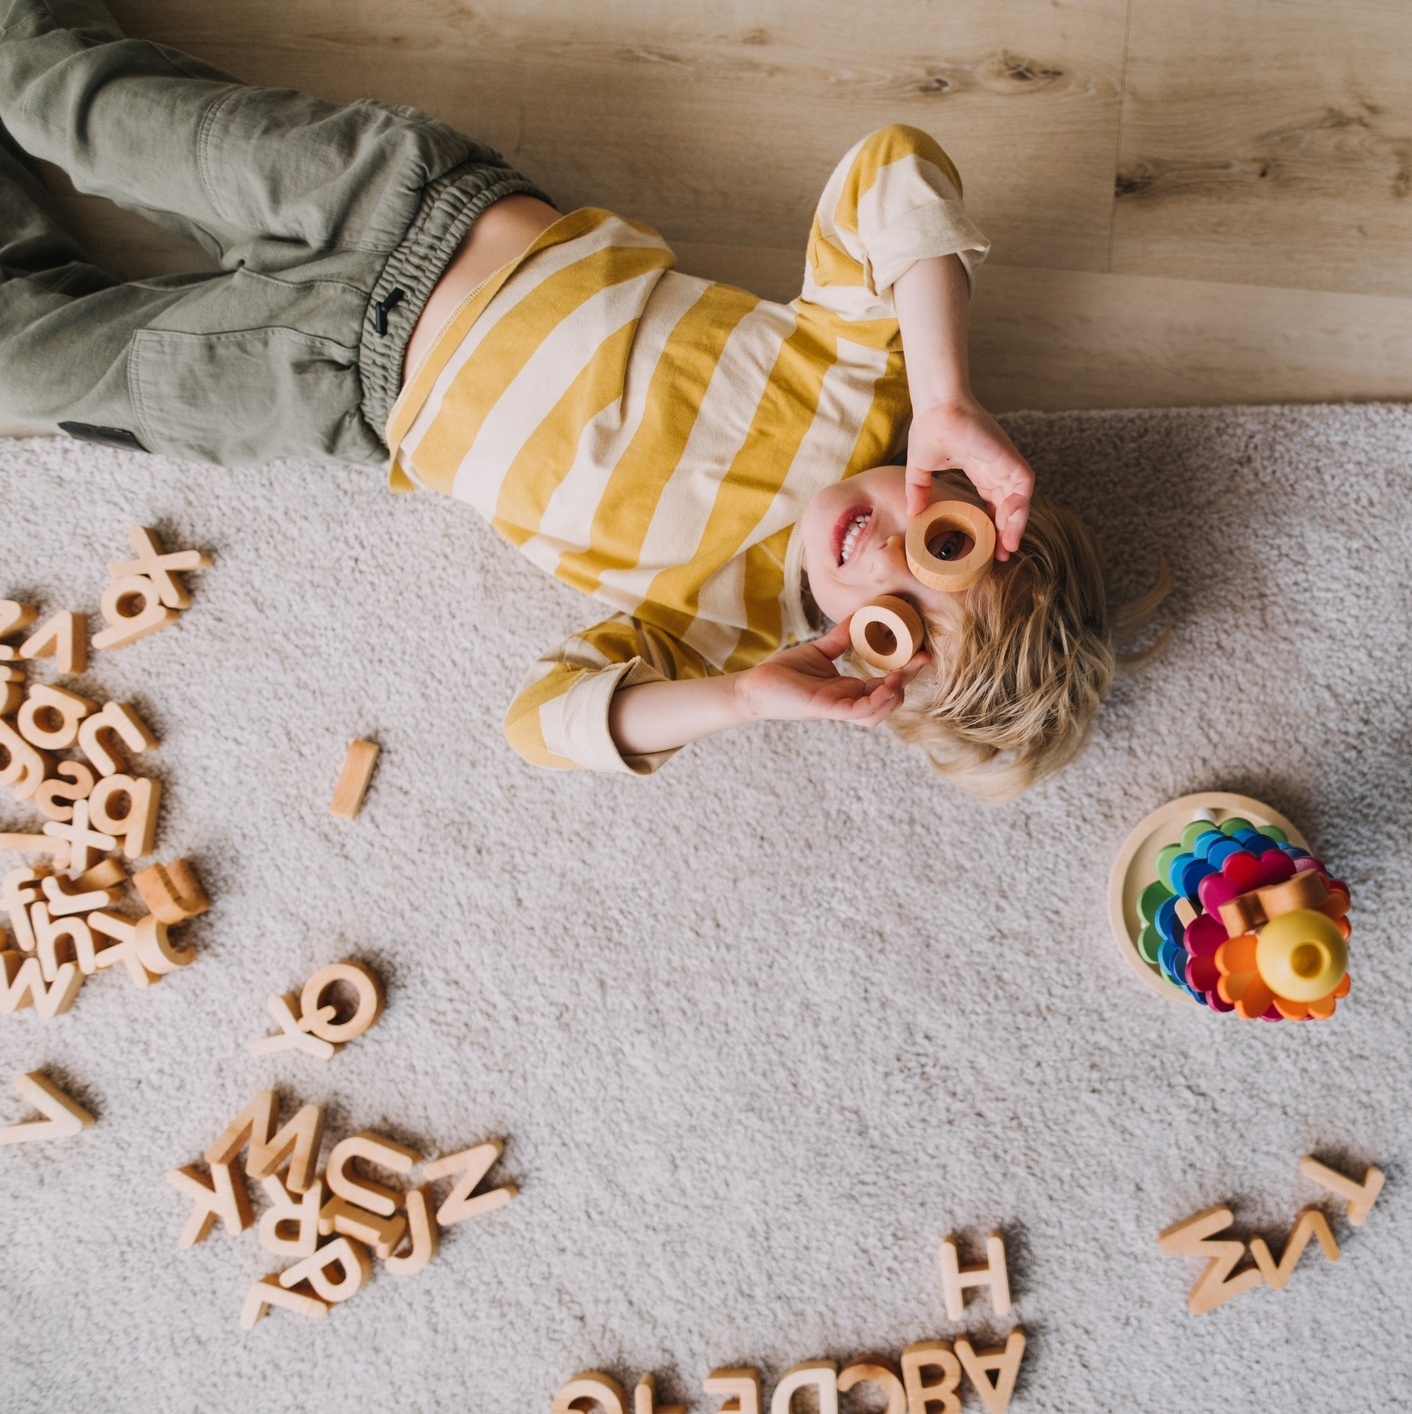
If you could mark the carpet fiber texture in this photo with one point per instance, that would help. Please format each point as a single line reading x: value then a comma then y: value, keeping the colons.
x: 759, y: 1031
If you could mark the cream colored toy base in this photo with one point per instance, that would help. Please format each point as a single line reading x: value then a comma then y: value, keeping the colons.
x: 1136, y: 867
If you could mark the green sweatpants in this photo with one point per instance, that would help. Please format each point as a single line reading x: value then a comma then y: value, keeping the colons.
x: 331, y: 225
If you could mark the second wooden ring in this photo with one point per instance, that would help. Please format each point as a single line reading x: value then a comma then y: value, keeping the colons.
x: 951, y: 576
x: 886, y: 632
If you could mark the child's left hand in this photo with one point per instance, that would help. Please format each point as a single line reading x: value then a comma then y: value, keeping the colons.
x: 963, y: 434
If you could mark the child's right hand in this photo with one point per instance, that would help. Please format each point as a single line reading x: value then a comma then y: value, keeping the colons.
x: 802, y: 684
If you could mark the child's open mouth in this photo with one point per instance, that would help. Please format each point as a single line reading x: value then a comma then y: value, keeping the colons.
x: 851, y: 530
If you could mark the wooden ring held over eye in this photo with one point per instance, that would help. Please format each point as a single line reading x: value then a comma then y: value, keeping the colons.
x: 951, y: 576
x: 886, y: 632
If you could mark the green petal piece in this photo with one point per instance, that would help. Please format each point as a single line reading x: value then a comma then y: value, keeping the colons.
x: 1151, y: 899
x: 1229, y: 827
x: 1149, y: 940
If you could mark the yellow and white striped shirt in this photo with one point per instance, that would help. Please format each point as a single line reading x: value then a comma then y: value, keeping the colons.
x: 652, y: 438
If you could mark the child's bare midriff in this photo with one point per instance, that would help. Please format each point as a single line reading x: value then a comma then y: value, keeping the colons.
x: 496, y: 237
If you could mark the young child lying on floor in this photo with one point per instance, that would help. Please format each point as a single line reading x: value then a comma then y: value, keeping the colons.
x: 714, y: 467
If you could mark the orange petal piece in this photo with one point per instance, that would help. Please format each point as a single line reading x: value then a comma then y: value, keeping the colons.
x: 1255, y: 1000
x: 1291, y: 1011
x: 1237, y: 955
x: 1342, y: 989
x: 1323, y: 1008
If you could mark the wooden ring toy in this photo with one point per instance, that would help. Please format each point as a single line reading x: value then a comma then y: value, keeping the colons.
x: 886, y: 632
x: 951, y: 576
x: 1136, y: 866
x: 363, y: 980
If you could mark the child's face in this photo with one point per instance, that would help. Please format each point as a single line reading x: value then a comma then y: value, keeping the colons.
x: 855, y: 535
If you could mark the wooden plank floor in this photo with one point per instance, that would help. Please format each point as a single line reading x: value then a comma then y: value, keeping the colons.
x: 1191, y: 202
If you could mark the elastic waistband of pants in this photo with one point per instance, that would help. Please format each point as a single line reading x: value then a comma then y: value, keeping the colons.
x: 448, y: 206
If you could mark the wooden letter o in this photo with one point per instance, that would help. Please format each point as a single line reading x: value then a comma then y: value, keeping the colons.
x: 951, y: 576
x: 602, y: 1389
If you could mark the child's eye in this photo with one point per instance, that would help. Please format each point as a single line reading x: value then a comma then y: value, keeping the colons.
x: 949, y: 545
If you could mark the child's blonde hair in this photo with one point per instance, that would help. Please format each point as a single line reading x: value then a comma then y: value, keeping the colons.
x: 1021, y: 660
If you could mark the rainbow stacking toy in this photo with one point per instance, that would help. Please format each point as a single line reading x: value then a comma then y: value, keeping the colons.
x: 1234, y: 915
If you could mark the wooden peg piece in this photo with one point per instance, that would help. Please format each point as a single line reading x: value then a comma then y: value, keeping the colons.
x: 1310, y: 1223
x: 63, y: 637
x: 644, y: 1399
x: 381, y: 1234
x: 297, y: 1143
x: 50, y: 932
x: 992, y: 1273
x: 22, y: 767
x: 424, y: 1235
x: 931, y: 1374
x: 886, y: 632
x: 136, y: 823
x: 62, y: 1117
x: 343, y: 1253
x: 62, y: 902
x: 223, y: 1199
x: 1003, y: 1364
x: 364, y: 982
x: 19, y: 889
x: 875, y: 1370
x: 353, y: 779
x: 375, y: 1149
x: 472, y: 1164
x: 1193, y: 1237
x: 49, y: 717
x: 739, y: 1386
x: 71, y: 781
x: 172, y: 892
x: 133, y: 608
x: 818, y: 1376
x: 23, y: 979
x: 1359, y: 1196
x: 301, y: 1210
x: 162, y: 568
x: 117, y: 719
x: 591, y: 1390
x: 14, y: 616
x: 291, y: 1036
x: 955, y: 572
x: 268, y: 1292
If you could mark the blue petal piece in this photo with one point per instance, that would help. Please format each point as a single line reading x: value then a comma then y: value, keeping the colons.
x: 1174, y: 871
x: 1219, y: 853
x: 1294, y: 851
x: 1201, y: 845
x: 1260, y: 844
x: 1193, y: 874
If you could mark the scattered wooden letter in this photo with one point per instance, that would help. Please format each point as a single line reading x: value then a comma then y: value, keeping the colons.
x: 20, y: 889
x: 162, y: 568
x: 644, y: 1399
x: 375, y: 1149
x: 588, y: 1391
x: 353, y: 779
x: 79, y: 839
x: 62, y: 902
x: 49, y: 718
x: 172, y: 892
x: 992, y: 1273
x: 422, y: 1232
x: 268, y: 1292
x: 50, y: 932
x: 1004, y: 1364
x: 364, y: 982
x: 128, y: 622
x: 224, y: 1198
x: 132, y: 947
x: 64, y: 637
x: 291, y: 1035
x: 879, y: 1371
x: 740, y: 1386
x: 24, y: 986
x: 136, y: 825
x: 117, y: 719
x: 381, y: 1234
x: 24, y: 767
x: 299, y: 1209
x: 472, y: 1164
x: 1310, y: 1223
x: 1360, y: 1196
x: 343, y: 1253
x: 62, y: 1117
x: 71, y: 781
x: 14, y: 616
x: 1193, y: 1237
x: 931, y: 1356
x: 820, y: 1376
x: 298, y: 1142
